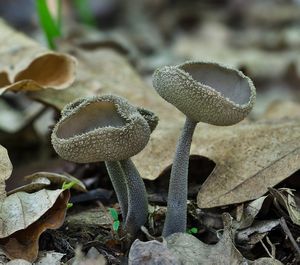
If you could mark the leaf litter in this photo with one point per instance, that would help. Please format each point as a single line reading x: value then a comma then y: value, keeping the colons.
x: 250, y: 157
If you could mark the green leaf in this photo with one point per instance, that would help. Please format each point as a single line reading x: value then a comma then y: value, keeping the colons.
x: 114, y: 214
x: 49, y: 25
x: 68, y: 185
x: 116, y: 225
x: 69, y: 205
x: 192, y: 230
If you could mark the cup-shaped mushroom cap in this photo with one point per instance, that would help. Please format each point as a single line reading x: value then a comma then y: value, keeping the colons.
x: 104, y: 128
x: 150, y: 117
x: 206, y: 92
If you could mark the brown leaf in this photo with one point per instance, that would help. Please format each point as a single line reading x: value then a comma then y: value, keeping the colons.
x: 289, y: 201
x: 24, y: 243
x: 6, y: 169
x: 27, y: 66
x: 104, y: 71
x: 58, y: 179
x: 280, y: 109
x: 249, y: 158
x: 34, y: 186
x: 21, y: 209
x: 40, y: 180
x: 93, y: 257
x: 191, y: 251
x: 239, y: 155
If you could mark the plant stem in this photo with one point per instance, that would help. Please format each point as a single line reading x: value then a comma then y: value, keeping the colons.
x: 137, y: 198
x: 117, y: 177
x: 178, y: 186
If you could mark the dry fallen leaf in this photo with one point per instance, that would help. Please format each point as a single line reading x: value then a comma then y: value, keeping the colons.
x: 249, y: 157
x: 25, y: 216
x: 40, y: 180
x: 18, y: 262
x: 105, y: 71
x: 44, y: 258
x: 35, y: 185
x: 259, y: 229
x: 27, y: 66
x: 22, y: 209
x: 151, y: 253
x: 24, y: 243
x: 289, y: 201
x: 250, y: 212
x: 281, y: 109
x: 58, y: 179
x: 6, y: 169
x: 49, y: 257
x: 93, y: 257
x: 191, y: 251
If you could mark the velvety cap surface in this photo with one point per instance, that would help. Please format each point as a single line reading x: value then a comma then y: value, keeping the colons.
x: 104, y: 128
x: 206, y: 92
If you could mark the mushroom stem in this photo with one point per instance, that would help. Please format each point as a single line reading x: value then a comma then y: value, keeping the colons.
x: 137, y: 198
x: 178, y: 186
x: 117, y: 177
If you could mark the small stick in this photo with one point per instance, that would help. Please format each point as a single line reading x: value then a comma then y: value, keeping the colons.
x: 266, y: 249
x: 290, y: 236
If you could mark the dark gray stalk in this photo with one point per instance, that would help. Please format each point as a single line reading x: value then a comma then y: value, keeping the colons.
x: 137, y: 198
x: 178, y: 186
x: 117, y: 177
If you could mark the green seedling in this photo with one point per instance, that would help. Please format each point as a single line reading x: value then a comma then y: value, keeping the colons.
x: 51, y: 26
x: 192, y: 231
x: 115, y: 217
x: 68, y: 185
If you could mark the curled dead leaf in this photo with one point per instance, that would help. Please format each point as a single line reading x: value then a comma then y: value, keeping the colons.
x: 58, y: 179
x: 27, y: 66
x: 40, y: 180
x: 24, y: 242
x: 289, y: 201
x: 20, y: 210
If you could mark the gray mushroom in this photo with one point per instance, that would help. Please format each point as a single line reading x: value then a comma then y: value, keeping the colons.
x: 108, y: 128
x: 204, y: 92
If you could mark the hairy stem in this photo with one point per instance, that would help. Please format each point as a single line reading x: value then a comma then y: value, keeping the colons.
x: 117, y: 177
x: 178, y: 186
x: 137, y: 198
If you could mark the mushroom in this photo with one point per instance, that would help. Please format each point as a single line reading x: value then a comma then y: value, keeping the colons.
x: 108, y: 128
x: 204, y: 92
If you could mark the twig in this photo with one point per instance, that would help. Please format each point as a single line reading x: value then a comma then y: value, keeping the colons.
x: 290, y: 236
x: 265, y: 247
x: 273, y: 249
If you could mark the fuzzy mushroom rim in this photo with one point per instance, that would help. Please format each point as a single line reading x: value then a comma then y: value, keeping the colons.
x: 210, y: 91
x: 133, y: 121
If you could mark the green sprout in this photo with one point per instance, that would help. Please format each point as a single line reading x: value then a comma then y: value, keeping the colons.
x: 50, y: 25
x: 193, y: 230
x: 69, y: 205
x: 68, y: 185
x: 115, y: 217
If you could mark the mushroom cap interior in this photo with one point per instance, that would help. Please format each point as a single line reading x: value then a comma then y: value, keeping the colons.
x: 101, y: 128
x: 229, y: 83
x: 206, y: 92
x: 93, y: 116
